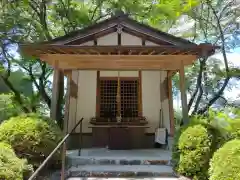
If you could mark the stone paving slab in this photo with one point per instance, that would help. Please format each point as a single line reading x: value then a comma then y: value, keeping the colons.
x: 151, y: 178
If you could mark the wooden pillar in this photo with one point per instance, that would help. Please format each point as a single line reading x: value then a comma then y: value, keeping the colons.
x: 55, y: 94
x: 170, y: 97
x: 183, y: 95
x: 65, y: 126
x: 140, y: 111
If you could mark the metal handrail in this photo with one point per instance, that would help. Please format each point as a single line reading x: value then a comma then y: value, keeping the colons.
x: 80, y: 139
x: 55, y: 150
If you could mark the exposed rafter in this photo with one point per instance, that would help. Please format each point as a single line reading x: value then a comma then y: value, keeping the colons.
x: 37, y: 50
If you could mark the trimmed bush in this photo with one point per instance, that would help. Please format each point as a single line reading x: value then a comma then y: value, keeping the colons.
x: 195, y: 120
x: 225, y: 164
x: 32, y: 137
x: 234, y: 128
x: 195, y: 150
x: 175, y: 149
x: 11, y: 167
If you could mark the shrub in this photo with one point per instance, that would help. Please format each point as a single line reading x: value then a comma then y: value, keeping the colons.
x: 175, y: 149
x: 225, y: 164
x: 11, y: 167
x: 32, y: 137
x: 195, y: 120
x: 195, y: 150
x: 227, y: 122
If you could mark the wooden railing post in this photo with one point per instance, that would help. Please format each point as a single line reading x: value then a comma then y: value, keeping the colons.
x: 80, y: 138
x: 34, y: 175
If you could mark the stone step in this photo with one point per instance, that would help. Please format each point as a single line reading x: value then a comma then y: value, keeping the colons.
x: 79, y: 160
x: 104, y: 156
x: 121, y: 171
x: 151, y: 178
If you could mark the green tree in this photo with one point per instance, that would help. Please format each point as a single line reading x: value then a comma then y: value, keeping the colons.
x: 215, y: 22
x: 7, y: 107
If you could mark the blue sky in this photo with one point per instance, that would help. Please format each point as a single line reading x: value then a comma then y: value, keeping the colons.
x: 234, y: 57
x: 237, y: 50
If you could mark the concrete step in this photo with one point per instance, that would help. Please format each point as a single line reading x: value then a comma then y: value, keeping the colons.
x: 121, y: 171
x: 79, y: 160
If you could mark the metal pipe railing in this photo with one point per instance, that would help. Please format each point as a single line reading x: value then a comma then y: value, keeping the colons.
x: 80, y: 143
x: 54, y: 151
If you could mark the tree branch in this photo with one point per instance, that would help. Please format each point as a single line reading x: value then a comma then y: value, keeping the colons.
x: 40, y: 87
x: 5, y: 78
x: 42, y: 91
x: 198, y: 99
x: 100, y: 2
x: 220, y: 92
x: 198, y: 84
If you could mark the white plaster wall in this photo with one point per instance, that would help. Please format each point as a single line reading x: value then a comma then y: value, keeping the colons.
x: 128, y: 39
x: 151, y: 99
x: 121, y: 73
x: 149, y: 43
x: 86, y: 103
x: 88, y: 43
x: 110, y: 39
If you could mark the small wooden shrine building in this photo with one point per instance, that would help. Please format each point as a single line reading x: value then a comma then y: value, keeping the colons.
x: 119, y: 79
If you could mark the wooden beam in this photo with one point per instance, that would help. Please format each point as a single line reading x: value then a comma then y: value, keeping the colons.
x: 70, y: 49
x: 170, y: 97
x: 143, y: 41
x: 95, y: 41
x: 183, y: 95
x: 67, y: 73
x: 119, y: 39
x: 119, y: 62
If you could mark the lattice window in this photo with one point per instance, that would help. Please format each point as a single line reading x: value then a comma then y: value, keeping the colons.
x: 129, y: 98
x: 108, y: 92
